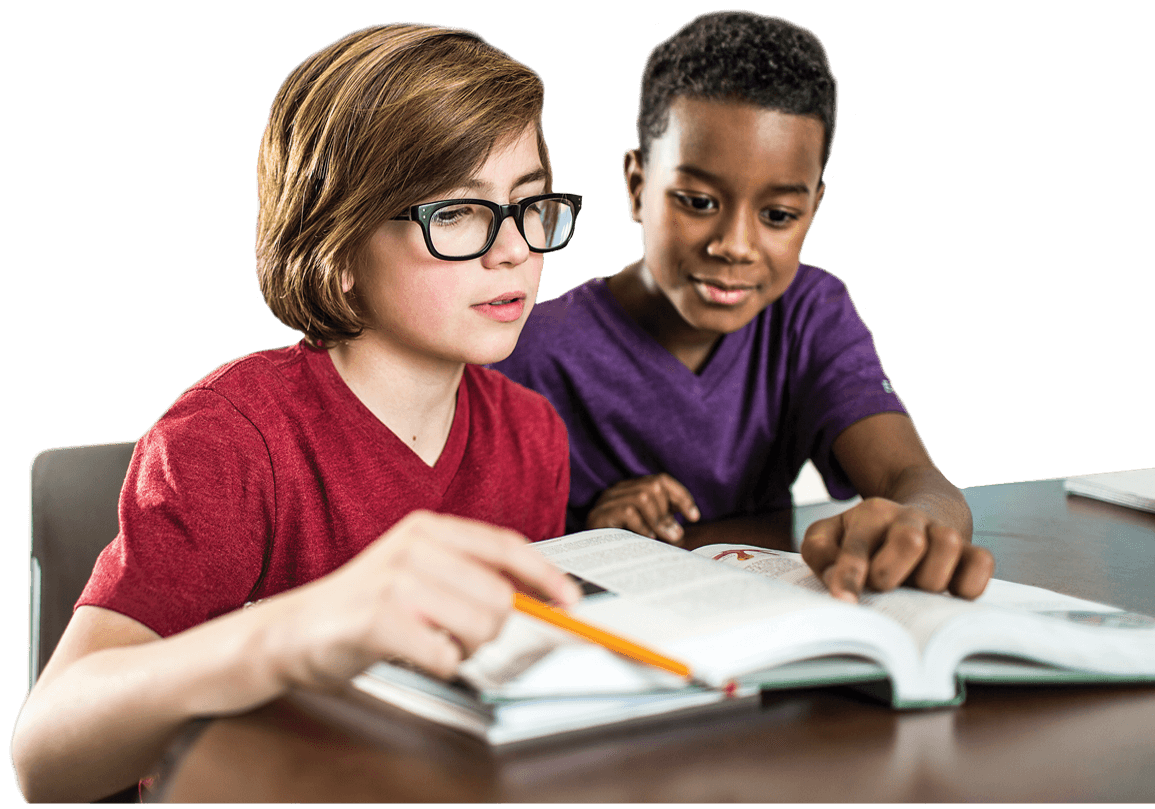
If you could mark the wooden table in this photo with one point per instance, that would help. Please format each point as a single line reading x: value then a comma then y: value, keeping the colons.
x: 1072, y: 743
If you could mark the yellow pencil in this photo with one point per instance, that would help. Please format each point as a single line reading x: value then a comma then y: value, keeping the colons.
x: 562, y: 620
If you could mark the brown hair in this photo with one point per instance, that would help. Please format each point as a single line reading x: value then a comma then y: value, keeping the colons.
x: 364, y: 128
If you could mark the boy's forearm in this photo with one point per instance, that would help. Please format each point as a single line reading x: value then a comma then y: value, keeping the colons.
x: 104, y: 722
x: 97, y: 729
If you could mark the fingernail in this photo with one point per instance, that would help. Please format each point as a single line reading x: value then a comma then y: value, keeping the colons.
x: 841, y: 593
x: 694, y: 513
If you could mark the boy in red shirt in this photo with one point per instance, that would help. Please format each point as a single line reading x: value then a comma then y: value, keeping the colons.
x: 404, y: 209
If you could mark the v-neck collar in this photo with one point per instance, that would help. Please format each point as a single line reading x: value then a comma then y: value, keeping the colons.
x: 435, y: 478
x: 718, y: 364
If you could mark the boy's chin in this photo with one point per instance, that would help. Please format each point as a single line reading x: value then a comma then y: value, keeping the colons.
x: 719, y: 320
x: 490, y: 353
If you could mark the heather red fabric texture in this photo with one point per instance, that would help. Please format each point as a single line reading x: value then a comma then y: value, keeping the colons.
x: 270, y: 473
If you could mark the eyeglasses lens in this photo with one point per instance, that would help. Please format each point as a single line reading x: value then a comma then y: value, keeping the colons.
x: 547, y: 223
x: 463, y: 230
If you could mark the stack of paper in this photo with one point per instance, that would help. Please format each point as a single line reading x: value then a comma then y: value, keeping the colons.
x: 1134, y: 488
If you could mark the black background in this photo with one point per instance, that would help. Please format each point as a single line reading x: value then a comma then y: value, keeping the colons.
x: 977, y: 208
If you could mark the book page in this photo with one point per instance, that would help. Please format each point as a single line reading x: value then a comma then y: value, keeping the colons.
x: 1012, y: 619
x: 921, y: 613
x: 644, y: 590
x: 720, y: 618
x: 670, y: 581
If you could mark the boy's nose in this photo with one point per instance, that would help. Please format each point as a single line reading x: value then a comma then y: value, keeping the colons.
x: 510, y: 248
x: 733, y: 242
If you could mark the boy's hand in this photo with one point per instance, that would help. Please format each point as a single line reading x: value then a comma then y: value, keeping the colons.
x: 431, y: 590
x: 645, y: 506
x: 881, y: 544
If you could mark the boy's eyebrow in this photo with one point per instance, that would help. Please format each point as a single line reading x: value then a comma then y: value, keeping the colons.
x: 790, y: 188
x: 531, y: 177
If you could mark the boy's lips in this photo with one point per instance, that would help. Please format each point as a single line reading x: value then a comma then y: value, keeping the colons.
x: 505, y: 308
x: 722, y: 293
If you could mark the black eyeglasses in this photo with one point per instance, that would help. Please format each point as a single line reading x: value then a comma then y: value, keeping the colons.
x: 461, y: 229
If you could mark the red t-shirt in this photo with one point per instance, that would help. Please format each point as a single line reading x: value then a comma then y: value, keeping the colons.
x: 271, y: 473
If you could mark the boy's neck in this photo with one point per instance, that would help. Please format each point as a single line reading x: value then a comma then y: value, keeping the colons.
x: 416, y: 398
x: 650, y: 309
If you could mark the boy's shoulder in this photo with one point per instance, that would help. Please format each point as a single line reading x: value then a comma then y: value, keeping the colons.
x: 811, y: 281
x: 557, y: 314
x: 556, y: 328
x: 499, y: 404
x: 239, y: 405
x: 266, y: 389
x: 253, y: 374
x: 497, y: 391
x: 812, y: 299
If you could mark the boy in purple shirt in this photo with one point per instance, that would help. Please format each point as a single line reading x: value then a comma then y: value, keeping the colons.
x: 698, y: 380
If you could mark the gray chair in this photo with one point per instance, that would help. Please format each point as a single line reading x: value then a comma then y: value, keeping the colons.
x: 75, y: 492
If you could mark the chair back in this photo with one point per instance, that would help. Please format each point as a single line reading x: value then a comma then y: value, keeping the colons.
x: 75, y: 492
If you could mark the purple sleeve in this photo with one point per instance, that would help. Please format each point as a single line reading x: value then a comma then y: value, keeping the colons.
x: 841, y: 379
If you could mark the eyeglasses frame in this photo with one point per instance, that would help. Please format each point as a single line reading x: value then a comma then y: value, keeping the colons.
x: 424, y: 212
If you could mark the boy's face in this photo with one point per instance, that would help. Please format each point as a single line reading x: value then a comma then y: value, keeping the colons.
x: 456, y: 311
x: 725, y: 199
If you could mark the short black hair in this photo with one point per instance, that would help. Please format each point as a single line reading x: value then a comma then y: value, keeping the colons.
x: 738, y: 56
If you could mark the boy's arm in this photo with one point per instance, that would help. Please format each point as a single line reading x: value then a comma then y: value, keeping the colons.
x: 431, y: 590
x: 912, y: 526
x: 111, y: 698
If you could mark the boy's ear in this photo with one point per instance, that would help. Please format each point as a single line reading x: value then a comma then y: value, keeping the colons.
x: 818, y: 196
x: 346, y: 281
x: 635, y: 180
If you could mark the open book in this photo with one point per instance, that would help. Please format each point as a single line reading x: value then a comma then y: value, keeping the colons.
x: 747, y: 619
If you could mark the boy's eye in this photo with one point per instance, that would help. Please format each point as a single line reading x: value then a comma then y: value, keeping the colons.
x: 699, y: 203
x: 453, y: 215
x: 777, y: 218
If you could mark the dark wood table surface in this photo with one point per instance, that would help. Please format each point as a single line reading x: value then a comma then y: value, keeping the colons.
x: 1030, y: 743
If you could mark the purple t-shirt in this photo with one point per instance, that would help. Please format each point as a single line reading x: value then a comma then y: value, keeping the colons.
x: 772, y: 395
